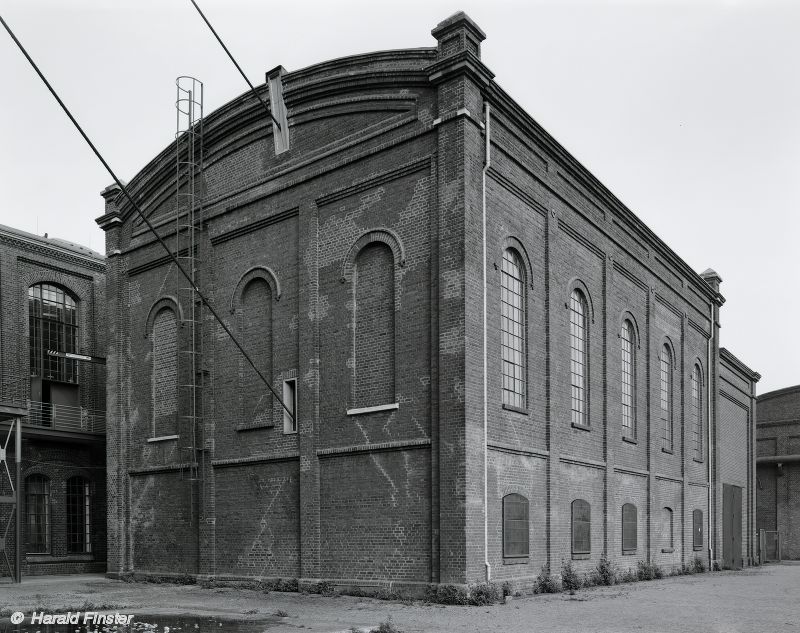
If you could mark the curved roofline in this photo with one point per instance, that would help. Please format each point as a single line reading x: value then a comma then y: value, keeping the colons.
x: 53, y: 242
x: 778, y: 392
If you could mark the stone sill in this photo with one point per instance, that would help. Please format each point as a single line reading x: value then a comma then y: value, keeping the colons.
x: 630, y: 440
x: 509, y: 407
x: 380, y: 407
x: 581, y: 556
x: 581, y: 427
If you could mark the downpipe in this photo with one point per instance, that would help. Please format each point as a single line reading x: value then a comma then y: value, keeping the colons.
x: 487, y: 163
x: 709, y: 374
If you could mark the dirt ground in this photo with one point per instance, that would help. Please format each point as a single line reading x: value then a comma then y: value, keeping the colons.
x: 758, y: 599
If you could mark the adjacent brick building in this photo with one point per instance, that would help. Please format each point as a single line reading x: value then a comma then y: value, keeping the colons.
x: 51, y: 292
x: 350, y: 266
x: 778, y: 471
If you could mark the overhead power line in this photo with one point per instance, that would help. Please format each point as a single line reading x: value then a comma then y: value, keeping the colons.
x: 138, y: 209
x: 241, y: 72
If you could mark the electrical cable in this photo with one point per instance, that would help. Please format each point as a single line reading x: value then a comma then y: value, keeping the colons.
x: 147, y: 222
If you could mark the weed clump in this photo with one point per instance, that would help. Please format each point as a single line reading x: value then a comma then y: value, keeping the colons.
x: 545, y: 582
x: 570, y: 579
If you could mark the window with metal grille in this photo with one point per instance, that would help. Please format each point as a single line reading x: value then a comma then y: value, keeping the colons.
x: 515, y: 526
x: 629, y: 529
x: 581, y: 527
x: 666, y: 396
x: 37, y: 513
x: 512, y: 329
x: 579, y: 361
x: 53, y: 323
x: 79, y: 516
x: 628, y: 380
x: 165, y: 373
x: 669, y: 531
x: 697, y: 530
x: 697, y: 411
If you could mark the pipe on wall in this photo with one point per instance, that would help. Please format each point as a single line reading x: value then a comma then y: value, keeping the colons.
x: 487, y: 163
x: 709, y: 374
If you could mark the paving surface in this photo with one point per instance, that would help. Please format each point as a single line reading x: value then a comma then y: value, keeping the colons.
x: 761, y: 599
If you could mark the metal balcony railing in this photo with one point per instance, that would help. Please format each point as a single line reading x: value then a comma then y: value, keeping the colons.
x: 66, y: 418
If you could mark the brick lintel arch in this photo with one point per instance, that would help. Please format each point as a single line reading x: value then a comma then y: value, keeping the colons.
x: 256, y: 272
x: 577, y: 284
x: 387, y: 236
x: 511, y: 242
x: 666, y: 340
x: 627, y: 315
x: 164, y: 302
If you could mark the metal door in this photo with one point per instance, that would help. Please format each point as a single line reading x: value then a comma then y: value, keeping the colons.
x: 731, y: 527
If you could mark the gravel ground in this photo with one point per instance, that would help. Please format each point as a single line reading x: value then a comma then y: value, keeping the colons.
x: 761, y: 599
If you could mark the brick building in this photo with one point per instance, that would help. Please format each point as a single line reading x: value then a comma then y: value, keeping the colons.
x: 52, y: 299
x: 345, y: 249
x: 778, y: 471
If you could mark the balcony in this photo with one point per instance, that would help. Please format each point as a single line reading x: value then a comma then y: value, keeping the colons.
x: 61, y: 417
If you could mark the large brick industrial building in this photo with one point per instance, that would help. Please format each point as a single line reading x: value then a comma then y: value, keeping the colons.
x: 51, y: 292
x: 778, y: 470
x: 345, y: 251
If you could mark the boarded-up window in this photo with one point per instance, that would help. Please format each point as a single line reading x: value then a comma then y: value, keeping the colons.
x: 581, y: 527
x: 257, y: 335
x: 515, y: 526
x: 373, y: 306
x: 697, y: 529
x: 165, y: 373
x: 629, y: 529
x: 668, y: 527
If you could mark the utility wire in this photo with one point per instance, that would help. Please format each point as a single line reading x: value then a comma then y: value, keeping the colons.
x: 144, y: 219
x: 241, y: 72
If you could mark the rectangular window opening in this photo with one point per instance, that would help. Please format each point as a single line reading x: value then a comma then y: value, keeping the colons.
x: 290, y: 399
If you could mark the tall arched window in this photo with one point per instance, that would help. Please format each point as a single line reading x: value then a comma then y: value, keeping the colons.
x: 512, y: 329
x: 53, y: 326
x: 628, y: 351
x: 516, y: 536
x: 79, y: 516
x: 256, y: 397
x: 666, y: 396
x: 164, y: 338
x: 669, y: 531
x: 581, y: 528
x: 579, y: 357
x: 697, y: 412
x: 374, y: 344
x: 37, y: 513
x: 629, y: 529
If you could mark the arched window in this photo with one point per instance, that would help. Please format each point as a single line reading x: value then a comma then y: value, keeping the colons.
x: 512, y: 329
x: 515, y: 526
x: 629, y: 529
x: 697, y: 412
x: 579, y: 358
x: 666, y: 396
x: 628, y: 351
x: 164, y: 337
x: 53, y: 326
x: 374, y: 345
x: 669, y: 531
x: 37, y: 513
x: 256, y: 398
x: 79, y: 516
x: 697, y: 530
x: 581, y: 528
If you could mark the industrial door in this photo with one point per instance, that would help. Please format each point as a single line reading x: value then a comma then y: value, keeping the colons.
x: 731, y: 527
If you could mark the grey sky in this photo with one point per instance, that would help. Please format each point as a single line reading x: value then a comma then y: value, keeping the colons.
x: 688, y: 111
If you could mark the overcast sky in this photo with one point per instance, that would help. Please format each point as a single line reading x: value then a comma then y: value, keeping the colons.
x: 688, y: 111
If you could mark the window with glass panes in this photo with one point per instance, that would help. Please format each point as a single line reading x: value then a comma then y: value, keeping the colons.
x: 512, y: 329
x: 53, y: 322
x: 666, y: 396
x: 37, y: 514
x: 578, y: 357
x: 629, y: 529
x: 79, y: 516
x: 628, y: 380
x: 515, y: 526
x: 697, y: 412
